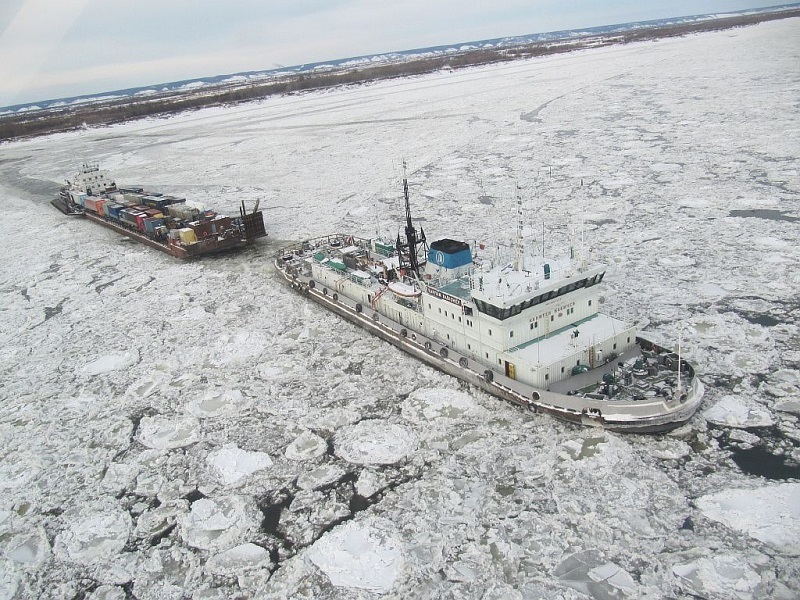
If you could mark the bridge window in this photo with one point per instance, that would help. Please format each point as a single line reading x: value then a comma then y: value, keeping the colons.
x: 510, y: 334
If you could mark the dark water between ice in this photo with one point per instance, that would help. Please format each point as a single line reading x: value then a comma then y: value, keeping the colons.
x: 759, y: 461
x: 764, y: 213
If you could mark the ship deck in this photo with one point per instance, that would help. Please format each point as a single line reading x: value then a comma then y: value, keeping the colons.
x: 563, y: 343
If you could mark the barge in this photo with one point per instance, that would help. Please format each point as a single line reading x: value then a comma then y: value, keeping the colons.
x: 526, y: 330
x: 164, y: 222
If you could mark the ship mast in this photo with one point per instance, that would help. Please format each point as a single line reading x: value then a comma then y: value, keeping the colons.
x: 518, y: 245
x: 409, y: 249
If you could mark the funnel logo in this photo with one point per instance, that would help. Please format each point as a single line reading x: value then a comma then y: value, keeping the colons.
x: 439, y: 257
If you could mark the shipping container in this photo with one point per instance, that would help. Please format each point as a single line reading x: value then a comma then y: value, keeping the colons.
x: 78, y: 197
x: 182, y: 211
x: 130, y: 216
x: 90, y: 203
x: 132, y: 199
x: 187, y: 235
x: 202, y: 229
x: 113, y: 210
x: 140, y: 221
x: 153, y: 212
x: 151, y: 223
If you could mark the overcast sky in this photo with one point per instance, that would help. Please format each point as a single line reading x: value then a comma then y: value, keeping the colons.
x: 61, y: 48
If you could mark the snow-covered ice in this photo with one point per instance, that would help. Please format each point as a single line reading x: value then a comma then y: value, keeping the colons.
x: 94, y: 537
x: 306, y: 446
x: 198, y: 430
x: 738, y: 412
x: 233, y: 464
x: 167, y: 432
x: 770, y: 514
x: 360, y: 555
x: 216, y: 523
x: 375, y: 442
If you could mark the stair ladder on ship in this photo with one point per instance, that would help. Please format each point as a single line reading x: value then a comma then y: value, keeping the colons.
x: 378, y: 295
x: 339, y: 283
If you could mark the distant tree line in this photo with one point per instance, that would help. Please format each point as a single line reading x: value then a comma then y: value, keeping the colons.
x: 65, y: 118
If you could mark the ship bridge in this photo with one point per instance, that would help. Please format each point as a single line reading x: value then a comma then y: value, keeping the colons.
x: 503, y: 292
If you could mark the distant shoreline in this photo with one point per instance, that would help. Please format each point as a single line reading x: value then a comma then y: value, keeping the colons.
x: 108, y: 112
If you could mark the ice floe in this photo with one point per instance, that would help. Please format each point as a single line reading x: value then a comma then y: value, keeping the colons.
x: 770, y: 514
x: 218, y: 403
x: 427, y: 405
x: 363, y: 555
x: 109, y: 362
x: 375, y: 442
x: 306, y: 446
x: 734, y: 411
x: 218, y: 523
x: 719, y: 577
x: 163, y: 432
x: 232, y: 465
x: 320, y: 477
x: 238, y: 559
x: 91, y: 538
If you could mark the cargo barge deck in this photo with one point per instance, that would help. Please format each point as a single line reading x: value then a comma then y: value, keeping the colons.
x: 165, y: 223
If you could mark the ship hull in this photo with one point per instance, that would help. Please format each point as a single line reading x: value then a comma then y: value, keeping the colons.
x: 182, y: 252
x: 654, y: 416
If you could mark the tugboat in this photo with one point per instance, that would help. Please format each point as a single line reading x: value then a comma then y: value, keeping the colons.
x: 166, y: 223
x: 526, y: 330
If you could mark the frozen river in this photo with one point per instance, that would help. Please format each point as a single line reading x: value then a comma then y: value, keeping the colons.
x: 197, y: 430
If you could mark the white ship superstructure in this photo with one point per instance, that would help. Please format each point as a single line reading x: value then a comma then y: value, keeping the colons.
x: 539, y: 324
x: 92, y: 180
